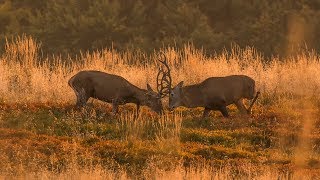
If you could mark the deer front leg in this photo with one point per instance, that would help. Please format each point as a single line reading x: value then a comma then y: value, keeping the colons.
x: 115, y: 107
x: 253, y: 101
x: 241, y: 107
x: 138, y: 109
x: 224, y: 111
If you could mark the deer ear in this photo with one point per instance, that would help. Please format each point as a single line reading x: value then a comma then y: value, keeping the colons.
x: 149, y: 87
x: 180, y: 84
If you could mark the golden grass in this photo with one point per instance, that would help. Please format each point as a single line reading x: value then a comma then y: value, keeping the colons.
x: 35, y: 99
x: 27, y: 77
x: 197, y: 172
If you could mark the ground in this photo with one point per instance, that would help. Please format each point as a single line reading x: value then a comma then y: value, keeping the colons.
x: 51, y: 138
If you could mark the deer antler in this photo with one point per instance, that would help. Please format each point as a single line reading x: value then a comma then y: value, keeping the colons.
x: 164, y: 79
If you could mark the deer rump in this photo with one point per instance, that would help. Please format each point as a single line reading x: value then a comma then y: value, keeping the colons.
x: 100, y: 85
x: 216, y: 93
x: 229, y: 89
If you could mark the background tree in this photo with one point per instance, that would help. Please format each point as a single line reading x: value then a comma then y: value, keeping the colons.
x: 70, y: 26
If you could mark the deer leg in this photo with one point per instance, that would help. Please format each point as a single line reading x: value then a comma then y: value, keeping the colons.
x: 82, y: 98
x: 224, y: 111
x: 241, y: 107
x: 138, y: 108
x: 115, y: 108
x: 82, y: 102
x: 252, y: 102
x: 206, y: 112
x: 78, y: 103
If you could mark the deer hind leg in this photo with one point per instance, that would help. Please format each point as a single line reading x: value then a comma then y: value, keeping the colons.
x: 82, y: 97
x: 252, y: 102
x: 78, y: 96
x: 241, y: 107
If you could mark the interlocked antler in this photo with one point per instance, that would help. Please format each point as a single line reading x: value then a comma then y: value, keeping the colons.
x: 164, y: 80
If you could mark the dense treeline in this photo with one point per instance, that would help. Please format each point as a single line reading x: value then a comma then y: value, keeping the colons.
x: 68, y: 26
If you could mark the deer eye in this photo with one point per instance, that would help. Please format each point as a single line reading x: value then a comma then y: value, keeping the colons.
x: 171, y: 94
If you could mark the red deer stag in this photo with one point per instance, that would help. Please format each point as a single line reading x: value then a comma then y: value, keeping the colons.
x: 112, y: 89
x: 214, y: 93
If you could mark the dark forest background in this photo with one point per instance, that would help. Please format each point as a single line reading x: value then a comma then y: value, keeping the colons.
x: 273, y: 27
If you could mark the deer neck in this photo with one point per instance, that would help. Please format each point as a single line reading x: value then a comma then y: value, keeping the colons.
x: 190, y: 96
x: 141, y: 96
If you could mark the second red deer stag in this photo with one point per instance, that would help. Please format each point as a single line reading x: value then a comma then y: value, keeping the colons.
x: 214, y: 93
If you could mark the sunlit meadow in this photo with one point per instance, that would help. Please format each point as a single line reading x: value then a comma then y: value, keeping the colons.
x: 43, y: 136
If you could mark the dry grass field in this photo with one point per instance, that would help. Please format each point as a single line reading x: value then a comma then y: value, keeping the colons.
x: 43, y: 137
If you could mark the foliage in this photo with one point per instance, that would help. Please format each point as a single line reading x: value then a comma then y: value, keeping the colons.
x: 70, y: 26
